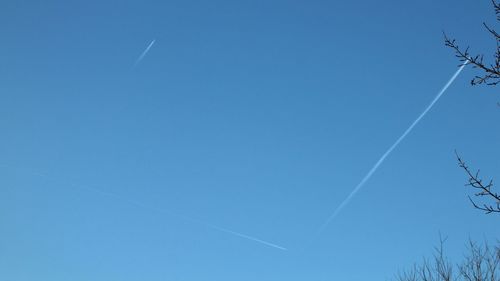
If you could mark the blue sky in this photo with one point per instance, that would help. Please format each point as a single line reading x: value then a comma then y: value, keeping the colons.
x: 256, y: 116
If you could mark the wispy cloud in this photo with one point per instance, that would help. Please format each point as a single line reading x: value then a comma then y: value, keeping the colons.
x: 248, y: 237
x: 139, y: 59
x: 184, y: 217
x: 384, y: 156
x: 117, y: 197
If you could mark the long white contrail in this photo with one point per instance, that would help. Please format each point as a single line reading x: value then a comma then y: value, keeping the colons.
x: 394, y: 145
x: 171, y: 213
x: 144, y: 53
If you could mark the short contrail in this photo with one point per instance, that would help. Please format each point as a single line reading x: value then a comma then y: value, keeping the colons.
x: 171, y: 213
x: 379, y: 162
x: 144, y: 53
x: 246, y: 237
x: 168, y: 212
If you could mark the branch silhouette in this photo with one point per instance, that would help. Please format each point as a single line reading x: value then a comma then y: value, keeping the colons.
x: 484, y: 190
x: 491, y: 71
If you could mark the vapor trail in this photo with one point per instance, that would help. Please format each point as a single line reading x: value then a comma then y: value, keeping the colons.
x: 174, y: 214
x: 144, y: 53
x: 213, y: 226
x: 247, y: 237
x: 394, y: 145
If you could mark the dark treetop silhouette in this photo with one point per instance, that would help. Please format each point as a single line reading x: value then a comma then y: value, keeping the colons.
x: 480, y: 263
x: 490, y: 71
x: 490, y: 76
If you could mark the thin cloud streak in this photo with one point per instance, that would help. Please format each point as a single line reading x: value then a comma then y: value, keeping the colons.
x: 165, y: 211
x: 247, y: 237
x: 193, y: 220
x: 144, y: 53
x: 196, y: 221
x: 393, y: 146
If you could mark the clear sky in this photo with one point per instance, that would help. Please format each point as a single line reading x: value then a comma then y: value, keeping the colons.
x: 255, y: 116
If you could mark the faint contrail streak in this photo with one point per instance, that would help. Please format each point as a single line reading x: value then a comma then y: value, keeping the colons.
x: 247, y: 237
x: 144, y: 53
x: 379, y: 162
x: 171, y: 213
x: 168, y: 212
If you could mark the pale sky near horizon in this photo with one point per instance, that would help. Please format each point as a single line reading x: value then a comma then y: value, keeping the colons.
x: 252, y: 117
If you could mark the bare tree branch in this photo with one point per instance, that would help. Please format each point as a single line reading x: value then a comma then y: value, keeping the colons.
x: 497, y: 9
x: 484, y: 190
x: 481, y: 263
x: 491, y: 72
